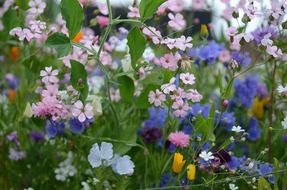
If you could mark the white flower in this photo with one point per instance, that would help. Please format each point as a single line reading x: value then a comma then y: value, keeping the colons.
x: 232, y: 187
x: 169, y: 87
x: 284, y: 123
x: 282, y: 89
x: 206, y: 156
x: 65, y: 169
x: 49, y: 75
x: 101, y: 155
x: 85, y: 185
x: 187, y: 78
x: 237, y: 129
x: 123, y: 165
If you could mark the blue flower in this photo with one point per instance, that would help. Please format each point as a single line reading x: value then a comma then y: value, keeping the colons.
x: 200, y: 109
x: 246, y: 90
x: 259, y: 33
x: 266, y: 170
x: 254, y: 132
x: 54, y: 128
x: 210, y: 52
x: 76, y: 126
x: 157, y: 117
x: 226, y: 119
x: 241, y: 58
x: 234, y: 163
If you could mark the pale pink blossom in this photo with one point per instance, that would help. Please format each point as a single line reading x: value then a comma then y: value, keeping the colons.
x: 103, y: 8
x: 133, y: 12
x: 179, y: 139
x: 235, y: 45
x: 179, y: 93
x: 274, y: 51
x: 176, y: 22
x: 180, y: 108
x: 106, y: 58
x: 161, y: 9
x: 22, y: 34
x: 36, y: 7
x: 187, y: 78
x: 198, y: 4
x: 115, y: 95
x: 183, y: 42
x: 82, y: 112
x: 231, y: 31
x: 49, y: 76
x: 156, y: 98
x: 169, y: 61
x: 193, y: 95
x: 169, y: 87
x: 51, y: 91
x: 224, y: 56
x: 266, y: 41
x: 153, y: 34
x: 175, y: 5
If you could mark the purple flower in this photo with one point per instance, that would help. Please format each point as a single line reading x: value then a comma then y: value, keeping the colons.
x: 285, y: 138
x: 259, y: 33
x: 226, y: 119
x: 223, y: 156
x: 266, y: 170
x: 150, y: 135
x: 157, y: 117
x: 13, y: 137
x: 233, y: 163
x: 254, y: 132
x: 76, y: 126
x: 36, y: 136
x: 200, y: 109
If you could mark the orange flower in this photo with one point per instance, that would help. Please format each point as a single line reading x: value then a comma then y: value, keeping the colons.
x: 178, y: 163
x: 78, y: 37
x: 11, y: 95
x: 15, y: 53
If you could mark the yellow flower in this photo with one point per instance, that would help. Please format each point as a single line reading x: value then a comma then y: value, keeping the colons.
x: 178, y: 162
x: 204, y: 30
x: 191, y: 170
x: 258, y: 107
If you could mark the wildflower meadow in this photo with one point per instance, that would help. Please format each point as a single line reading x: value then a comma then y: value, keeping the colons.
x: 156, y: 94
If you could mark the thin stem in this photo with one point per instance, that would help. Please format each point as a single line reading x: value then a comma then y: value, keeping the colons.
x: 270, y: 114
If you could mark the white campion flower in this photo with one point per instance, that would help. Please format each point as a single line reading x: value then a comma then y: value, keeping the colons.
x: 101, y: 155
x: 284, y: 123
x: 206, y: 156
x: 123, y: 165
x: 232, y: 186
x: 237, y: 129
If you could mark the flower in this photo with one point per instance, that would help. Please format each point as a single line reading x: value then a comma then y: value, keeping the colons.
x: 254, y: 132
x: 103, y: 21
x: 178, y: 162
x: 169, y: 61
x: 274, y: 51
x: 237, y: 129
x: 49, y: 75
x: 115, y: 95
x: 16, y: 154
x: 191, y: 170
x: 187, y: 78
x: 198, y: 4
x: 150, y: 134
x: 284, y: 123
x: 169, y: 87
x: 281, y: 89
x: 206, y: 156
x: 231, y: 31
x: 123, y: 165
x: 156, y: 98
x: 193, y: 95
x: 76, y: 126
x: 232, y: 186
x: 179, y: 138
x: 36, y: 7
x: 258, y: 107
x: 54, y: 128
x: 101, y: 155
x: 153, y: 34
x: 176, y: 22
x: 133, y: 12
x: 180, y: 108
x: 81, y: 112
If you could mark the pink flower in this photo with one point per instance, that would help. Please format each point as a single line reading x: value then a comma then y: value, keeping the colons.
x: 103, y: 21
x: 161, y: 9
x: 50, y: 107
x: 81, y: 112
x: 231, y: 31
x: 266, y: 40
x: 235, y: 45
x: 175, y: 5
x: 133, y: 12
x: 180, y: 108
x: 153, y: 34
x: 106, y: 58
x: 182, y: 43
x: 187, y: 78
x: 198, y: 4
x: 224, y: 56
x: 156, y: 98
x: 115, y: 95
x: 274, y: 51
x: 176, y: 22
x: 51, y: 91
x: 103, y: 8
x: 49, y: 75
x: 193, y: 95
x: 22, y: 34
x: 36, y: 7
x: 169, y: 61
x: 179, y: 139
x: 179, y: 93
x: 169, y: 87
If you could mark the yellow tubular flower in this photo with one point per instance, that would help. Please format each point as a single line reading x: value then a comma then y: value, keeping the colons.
x: 258, y: 107
x: 204, y: 30
x: 178, y: 162
x: 191, y: 170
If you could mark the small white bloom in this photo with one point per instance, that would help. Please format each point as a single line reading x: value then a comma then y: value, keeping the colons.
x: 123, y: 165
x: 206, y: 156
x: 233, y: 187
x: 237, y: 129
x: 282, y: 89
x: 284, y: 123
x: 101, y: 155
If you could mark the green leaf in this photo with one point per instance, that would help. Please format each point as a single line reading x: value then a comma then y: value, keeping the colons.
x: 136, y: 43
x: 142, y: 101
x: 126, y: 87
x: 73, y: 13
x: 60, y: 42
x: 263, y: 184
x: 79, y: 79
x: 228, y: 89
x: 149, y: 7
x: 205, y: 127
